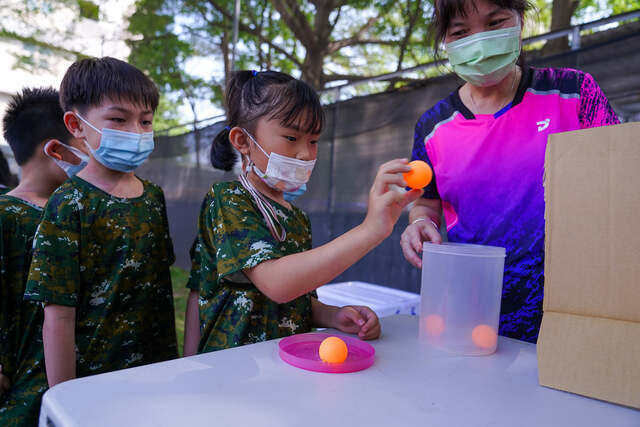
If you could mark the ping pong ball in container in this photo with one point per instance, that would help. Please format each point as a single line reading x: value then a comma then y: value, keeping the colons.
x: 484, y: 336
x: 434, y: 325
x: 333, y: 350
x: 419, y: 176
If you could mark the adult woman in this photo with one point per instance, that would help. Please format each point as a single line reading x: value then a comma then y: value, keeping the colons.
x: 486, y: 144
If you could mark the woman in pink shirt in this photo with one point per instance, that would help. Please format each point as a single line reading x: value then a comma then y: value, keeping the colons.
x: 486, y: 143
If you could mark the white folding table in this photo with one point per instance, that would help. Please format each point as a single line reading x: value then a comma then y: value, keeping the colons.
x: 407, y: 385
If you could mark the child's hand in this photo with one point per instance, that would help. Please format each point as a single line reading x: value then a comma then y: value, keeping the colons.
x: 357, y: 319
x: 4, y: 383
x: 385, y: 205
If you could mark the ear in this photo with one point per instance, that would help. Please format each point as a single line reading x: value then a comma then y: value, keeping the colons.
x: 52, y: 149
x: 239, y: 140
x: 73, y: 124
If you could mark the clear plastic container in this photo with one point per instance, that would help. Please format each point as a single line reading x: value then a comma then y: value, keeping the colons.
x: 460, y: 297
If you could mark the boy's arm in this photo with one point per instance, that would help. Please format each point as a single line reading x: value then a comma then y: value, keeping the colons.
x: 291, y: 276
x: 191, y: 325
x: 58, y: 335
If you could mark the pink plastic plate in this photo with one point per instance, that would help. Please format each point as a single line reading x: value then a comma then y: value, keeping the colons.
x: 301, y: 351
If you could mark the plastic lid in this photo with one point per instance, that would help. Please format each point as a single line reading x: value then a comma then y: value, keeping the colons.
x: 301, y: 351
x: 464, y: 249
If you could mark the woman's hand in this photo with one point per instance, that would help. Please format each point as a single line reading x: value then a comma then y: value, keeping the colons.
x: 357, y: 319
x: 421, y: 229
x: 385, y: 204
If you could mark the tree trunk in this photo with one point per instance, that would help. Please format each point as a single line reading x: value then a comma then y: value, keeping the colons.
x: 561, y: 13
x: 313, y: 69
x: 224, y: 46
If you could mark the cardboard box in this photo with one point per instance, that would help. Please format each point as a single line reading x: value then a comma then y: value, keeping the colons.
x: 590, y: 337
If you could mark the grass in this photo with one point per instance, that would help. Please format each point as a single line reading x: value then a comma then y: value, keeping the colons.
x: 179, y: 278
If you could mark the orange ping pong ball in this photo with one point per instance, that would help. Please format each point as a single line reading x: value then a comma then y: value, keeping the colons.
x: 484, y: 336
x: 434, y: 325
x: 333, y: 350
x: 419, y: 176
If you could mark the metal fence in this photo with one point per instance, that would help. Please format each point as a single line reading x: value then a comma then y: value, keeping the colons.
x: 362, y: 133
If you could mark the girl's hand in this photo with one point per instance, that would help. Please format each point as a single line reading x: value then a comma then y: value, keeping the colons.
x: 357, y: 319
x: 385, y: 205
x: 413, y: 237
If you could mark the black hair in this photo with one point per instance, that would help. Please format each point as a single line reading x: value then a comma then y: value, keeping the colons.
x: 31, y: 118
x: 89, y: 81
x: 251, y: 95
x: 445, y: 10
x: 7, y: 179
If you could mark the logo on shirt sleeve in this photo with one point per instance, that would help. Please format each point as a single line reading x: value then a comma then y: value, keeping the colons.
x: 543, y: 124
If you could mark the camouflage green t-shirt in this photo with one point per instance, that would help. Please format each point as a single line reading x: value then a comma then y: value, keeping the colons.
x: 109, y: 257
x: 232, y: 237
x: 21, y: 351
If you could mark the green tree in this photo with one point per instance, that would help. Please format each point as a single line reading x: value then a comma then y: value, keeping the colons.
x: 30, y: 23
x: 322, y: 41
x: 561, y: 14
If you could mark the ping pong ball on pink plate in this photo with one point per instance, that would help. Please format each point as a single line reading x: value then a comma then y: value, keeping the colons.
x: 434, y: 325
x: 419, y: 176
x: 484, y: 336
x: 333, y: 350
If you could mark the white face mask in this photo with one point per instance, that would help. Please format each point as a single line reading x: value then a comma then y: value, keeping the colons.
x: 283, y: 173
x: 69, y: 168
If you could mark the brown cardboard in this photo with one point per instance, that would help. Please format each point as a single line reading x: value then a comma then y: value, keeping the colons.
x: 590, y: 337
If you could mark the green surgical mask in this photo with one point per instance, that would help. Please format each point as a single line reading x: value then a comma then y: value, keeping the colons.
x: 485, y: 59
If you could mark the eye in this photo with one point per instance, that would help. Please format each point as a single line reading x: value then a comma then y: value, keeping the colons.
x: 147, y: 122
x: 117, y: 119
x: 314, y: 142
x: 458, y: 33
x: 497, y: 22
x: 291, y: 138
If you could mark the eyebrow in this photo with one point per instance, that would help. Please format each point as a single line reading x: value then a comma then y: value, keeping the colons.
x: 125, y: 110
x: 497, y: 11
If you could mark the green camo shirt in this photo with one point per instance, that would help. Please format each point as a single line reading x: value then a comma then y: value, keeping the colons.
x: 109, y: 257
x: 21, y: 353
x: 232, y: 237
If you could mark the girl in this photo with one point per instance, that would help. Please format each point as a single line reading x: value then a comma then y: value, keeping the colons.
x: 254, y: 272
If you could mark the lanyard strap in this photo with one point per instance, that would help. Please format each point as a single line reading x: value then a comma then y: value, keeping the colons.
x: 268, y: 212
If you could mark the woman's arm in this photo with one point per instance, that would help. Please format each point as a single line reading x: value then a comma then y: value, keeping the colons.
x: 424, y: 226
x: 191, y: 325
x: 289, y: 277
x: 58, y: 335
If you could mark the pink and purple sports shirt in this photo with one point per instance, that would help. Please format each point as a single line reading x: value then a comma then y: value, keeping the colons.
x: 488, y: 172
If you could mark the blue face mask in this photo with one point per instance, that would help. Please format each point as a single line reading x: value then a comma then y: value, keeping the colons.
x: 291, y: 196
x: 119, y: 150
x: 69, y: 168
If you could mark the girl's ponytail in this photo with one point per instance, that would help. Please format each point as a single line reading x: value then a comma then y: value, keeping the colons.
x: 223, y: 156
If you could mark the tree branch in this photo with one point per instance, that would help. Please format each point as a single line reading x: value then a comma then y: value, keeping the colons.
x: 247, y: 29
x: 348, y: 77
x: 354, y: 39
x: 295, y: 19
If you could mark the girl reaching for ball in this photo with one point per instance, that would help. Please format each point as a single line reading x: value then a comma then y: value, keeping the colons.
x: 254, y: 273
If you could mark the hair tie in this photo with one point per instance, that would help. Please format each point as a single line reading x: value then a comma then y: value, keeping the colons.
x: 254, y: 73
x: 227, y: 128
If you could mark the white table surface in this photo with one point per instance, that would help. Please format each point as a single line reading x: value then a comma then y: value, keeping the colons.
x: 407, y: 385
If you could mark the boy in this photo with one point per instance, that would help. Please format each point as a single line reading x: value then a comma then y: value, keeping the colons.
x: 102, y: 251
x: 34, y: 129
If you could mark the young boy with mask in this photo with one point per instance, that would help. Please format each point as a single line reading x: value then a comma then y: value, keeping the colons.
x: 44, y: 150
x: 102, y: 252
